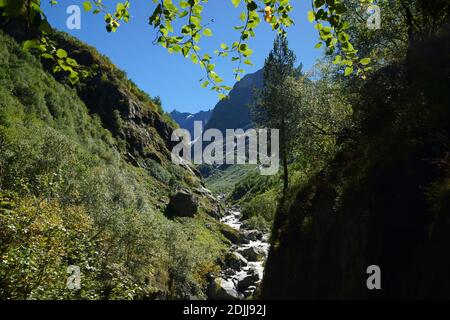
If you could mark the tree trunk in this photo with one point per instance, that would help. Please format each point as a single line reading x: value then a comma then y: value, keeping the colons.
x: 284, y: 155
x: 285, y: 175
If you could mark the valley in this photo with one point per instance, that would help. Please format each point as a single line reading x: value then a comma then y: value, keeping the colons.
x: 99, y: 201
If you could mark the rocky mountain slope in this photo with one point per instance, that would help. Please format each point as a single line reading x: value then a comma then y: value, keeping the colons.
x: 86, y: 180
x: 234, y: 112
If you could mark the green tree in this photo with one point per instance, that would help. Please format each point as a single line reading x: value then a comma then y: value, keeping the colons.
x: 275, y: 105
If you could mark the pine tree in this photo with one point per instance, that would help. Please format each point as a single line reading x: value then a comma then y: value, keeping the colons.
x: 274, y: 110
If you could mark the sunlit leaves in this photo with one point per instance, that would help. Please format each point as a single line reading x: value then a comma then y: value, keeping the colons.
x: 332, y: 32
x: 365, y: 61
x: 311, y: 16
x: 87, y: 6
x: 348, y: 71
x: 181, y: 27
x: 58, y: 58
x: 207, y: 32
x: 61, y: 53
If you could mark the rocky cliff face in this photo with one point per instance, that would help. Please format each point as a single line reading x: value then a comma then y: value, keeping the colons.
x: 384, y: 200
x: 126, y: 111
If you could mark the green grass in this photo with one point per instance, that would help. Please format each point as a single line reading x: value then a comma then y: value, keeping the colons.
x: 224, y: 181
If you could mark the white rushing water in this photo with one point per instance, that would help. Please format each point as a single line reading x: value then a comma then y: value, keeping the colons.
x: 243, y: 281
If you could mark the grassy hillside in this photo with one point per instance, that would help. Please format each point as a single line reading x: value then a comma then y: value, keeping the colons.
x: 78, y: 187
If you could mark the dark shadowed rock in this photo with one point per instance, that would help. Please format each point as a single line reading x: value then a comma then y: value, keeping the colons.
x: 248, y: 281
x: 229, y: 272
x: 250, y: 235
x: 182, y: 204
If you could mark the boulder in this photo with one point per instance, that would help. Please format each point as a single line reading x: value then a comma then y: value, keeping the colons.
x: 252, y: 253
x: 230, y: 233
x: 250, y: 235
x: 221, y: 289
x: 235, y: 260
x: 249, y: 280
x: 182, y: 204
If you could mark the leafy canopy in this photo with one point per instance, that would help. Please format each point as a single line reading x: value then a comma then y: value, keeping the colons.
x: 186, y: 39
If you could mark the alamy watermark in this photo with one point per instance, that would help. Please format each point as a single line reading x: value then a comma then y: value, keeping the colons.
x: 374, y: 280
x: 73, y: 22
x: 237, y: 147
x: 374, y: 20
x: 74, y: 278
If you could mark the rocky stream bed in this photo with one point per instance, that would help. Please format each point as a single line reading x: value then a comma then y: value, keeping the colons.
x: 244, y: 264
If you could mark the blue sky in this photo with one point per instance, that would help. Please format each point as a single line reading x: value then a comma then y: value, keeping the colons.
x: 171, y: 76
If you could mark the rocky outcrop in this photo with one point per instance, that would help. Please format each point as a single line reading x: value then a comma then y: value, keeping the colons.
x: 182, y: 204
x: 235, y: 260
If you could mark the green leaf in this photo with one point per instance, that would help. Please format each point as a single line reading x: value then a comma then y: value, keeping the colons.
x: 207, y: 32
x: 30, y: 44
x: 47, y: 56
x: 236, y: 3
x: 365, y: 61
x: 337, y: 59
x: 348, y: 71
x: 61, y: 53
x: 311, y: 16
x: 87, y: 6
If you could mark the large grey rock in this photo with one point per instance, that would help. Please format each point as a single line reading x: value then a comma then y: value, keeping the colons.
x: 235, y: 260
x: 252, y: 253
x: 182, y: 204
x: 222, y: 289
x: 230, y: 233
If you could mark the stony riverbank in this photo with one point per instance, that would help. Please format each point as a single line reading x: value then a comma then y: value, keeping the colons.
x: 243, y: 267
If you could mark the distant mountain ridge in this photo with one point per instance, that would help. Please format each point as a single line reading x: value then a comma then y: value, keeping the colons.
x: 234, y: 112
x: 186, y: 120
